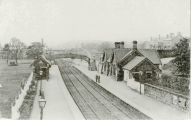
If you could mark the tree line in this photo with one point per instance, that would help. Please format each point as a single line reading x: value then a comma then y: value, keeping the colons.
x: 15, y: 49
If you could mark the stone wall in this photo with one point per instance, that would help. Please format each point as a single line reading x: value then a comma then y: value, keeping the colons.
x: 168, y: 97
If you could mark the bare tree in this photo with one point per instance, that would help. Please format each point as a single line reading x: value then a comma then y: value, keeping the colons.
x: 16, y: 47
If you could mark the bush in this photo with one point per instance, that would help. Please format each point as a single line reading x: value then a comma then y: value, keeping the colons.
x: 33, y: 83
x: 26, y: 109
x: 27, y: 105
x: 176, y: 83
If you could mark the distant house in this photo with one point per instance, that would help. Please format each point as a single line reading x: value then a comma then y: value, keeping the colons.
x: 163, y: 43
x: 128, y: 64
x: 41, y: 67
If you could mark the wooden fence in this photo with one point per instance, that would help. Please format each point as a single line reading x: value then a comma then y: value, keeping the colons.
x: 20, y: 98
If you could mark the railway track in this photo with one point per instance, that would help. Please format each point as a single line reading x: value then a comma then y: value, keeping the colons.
x: 94, y: 101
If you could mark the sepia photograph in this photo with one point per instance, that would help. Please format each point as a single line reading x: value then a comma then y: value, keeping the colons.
x: 95, y: 59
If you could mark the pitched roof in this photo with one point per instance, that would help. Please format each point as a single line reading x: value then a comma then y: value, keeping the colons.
x: 107, y: 54
x: 126, y: 55
x: 120, y: 53
x: 151, y: 54
x: 134, y: 62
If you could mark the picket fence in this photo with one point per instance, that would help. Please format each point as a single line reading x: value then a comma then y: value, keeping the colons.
x: 15, y: 114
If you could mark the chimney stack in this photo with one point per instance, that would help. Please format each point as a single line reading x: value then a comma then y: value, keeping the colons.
x: 117, y: 44
x: 121, y: 44
x: 134, y: 45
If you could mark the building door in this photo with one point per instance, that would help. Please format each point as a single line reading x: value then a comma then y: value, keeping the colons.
x: 120, y: 75
x: 136, y: 76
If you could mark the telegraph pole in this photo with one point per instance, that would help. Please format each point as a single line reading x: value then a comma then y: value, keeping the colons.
x: 41, y: 72
x: 42, y: 40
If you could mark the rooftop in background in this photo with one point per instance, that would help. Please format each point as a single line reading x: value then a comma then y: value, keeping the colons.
x: 163, y: 42
x: 168, y: 37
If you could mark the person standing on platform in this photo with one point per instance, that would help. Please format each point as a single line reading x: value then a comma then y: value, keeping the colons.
x: 96, y: 78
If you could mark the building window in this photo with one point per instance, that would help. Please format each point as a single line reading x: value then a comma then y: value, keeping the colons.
x: 136, y: 76
x: 149, y: 74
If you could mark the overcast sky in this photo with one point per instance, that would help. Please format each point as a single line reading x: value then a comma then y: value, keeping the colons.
x: 72, y: 21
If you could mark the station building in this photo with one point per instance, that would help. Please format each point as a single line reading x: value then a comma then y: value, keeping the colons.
x: 132, y: 65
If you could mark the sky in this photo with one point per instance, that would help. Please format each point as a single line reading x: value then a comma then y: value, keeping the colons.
x: 67, y: 23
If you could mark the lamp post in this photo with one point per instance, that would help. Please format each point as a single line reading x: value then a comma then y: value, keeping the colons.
x: 41, y: 73
x: 42, y: 103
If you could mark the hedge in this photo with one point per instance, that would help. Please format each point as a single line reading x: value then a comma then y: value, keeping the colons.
x: 27, y: 105
x: 175, y: 83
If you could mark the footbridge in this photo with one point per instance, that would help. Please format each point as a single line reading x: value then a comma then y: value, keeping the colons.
x: 73, y: 54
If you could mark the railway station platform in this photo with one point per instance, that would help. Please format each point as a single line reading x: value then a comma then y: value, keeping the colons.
x: 154, y: 109
x: 94, y: 101
x: 59, y: 105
